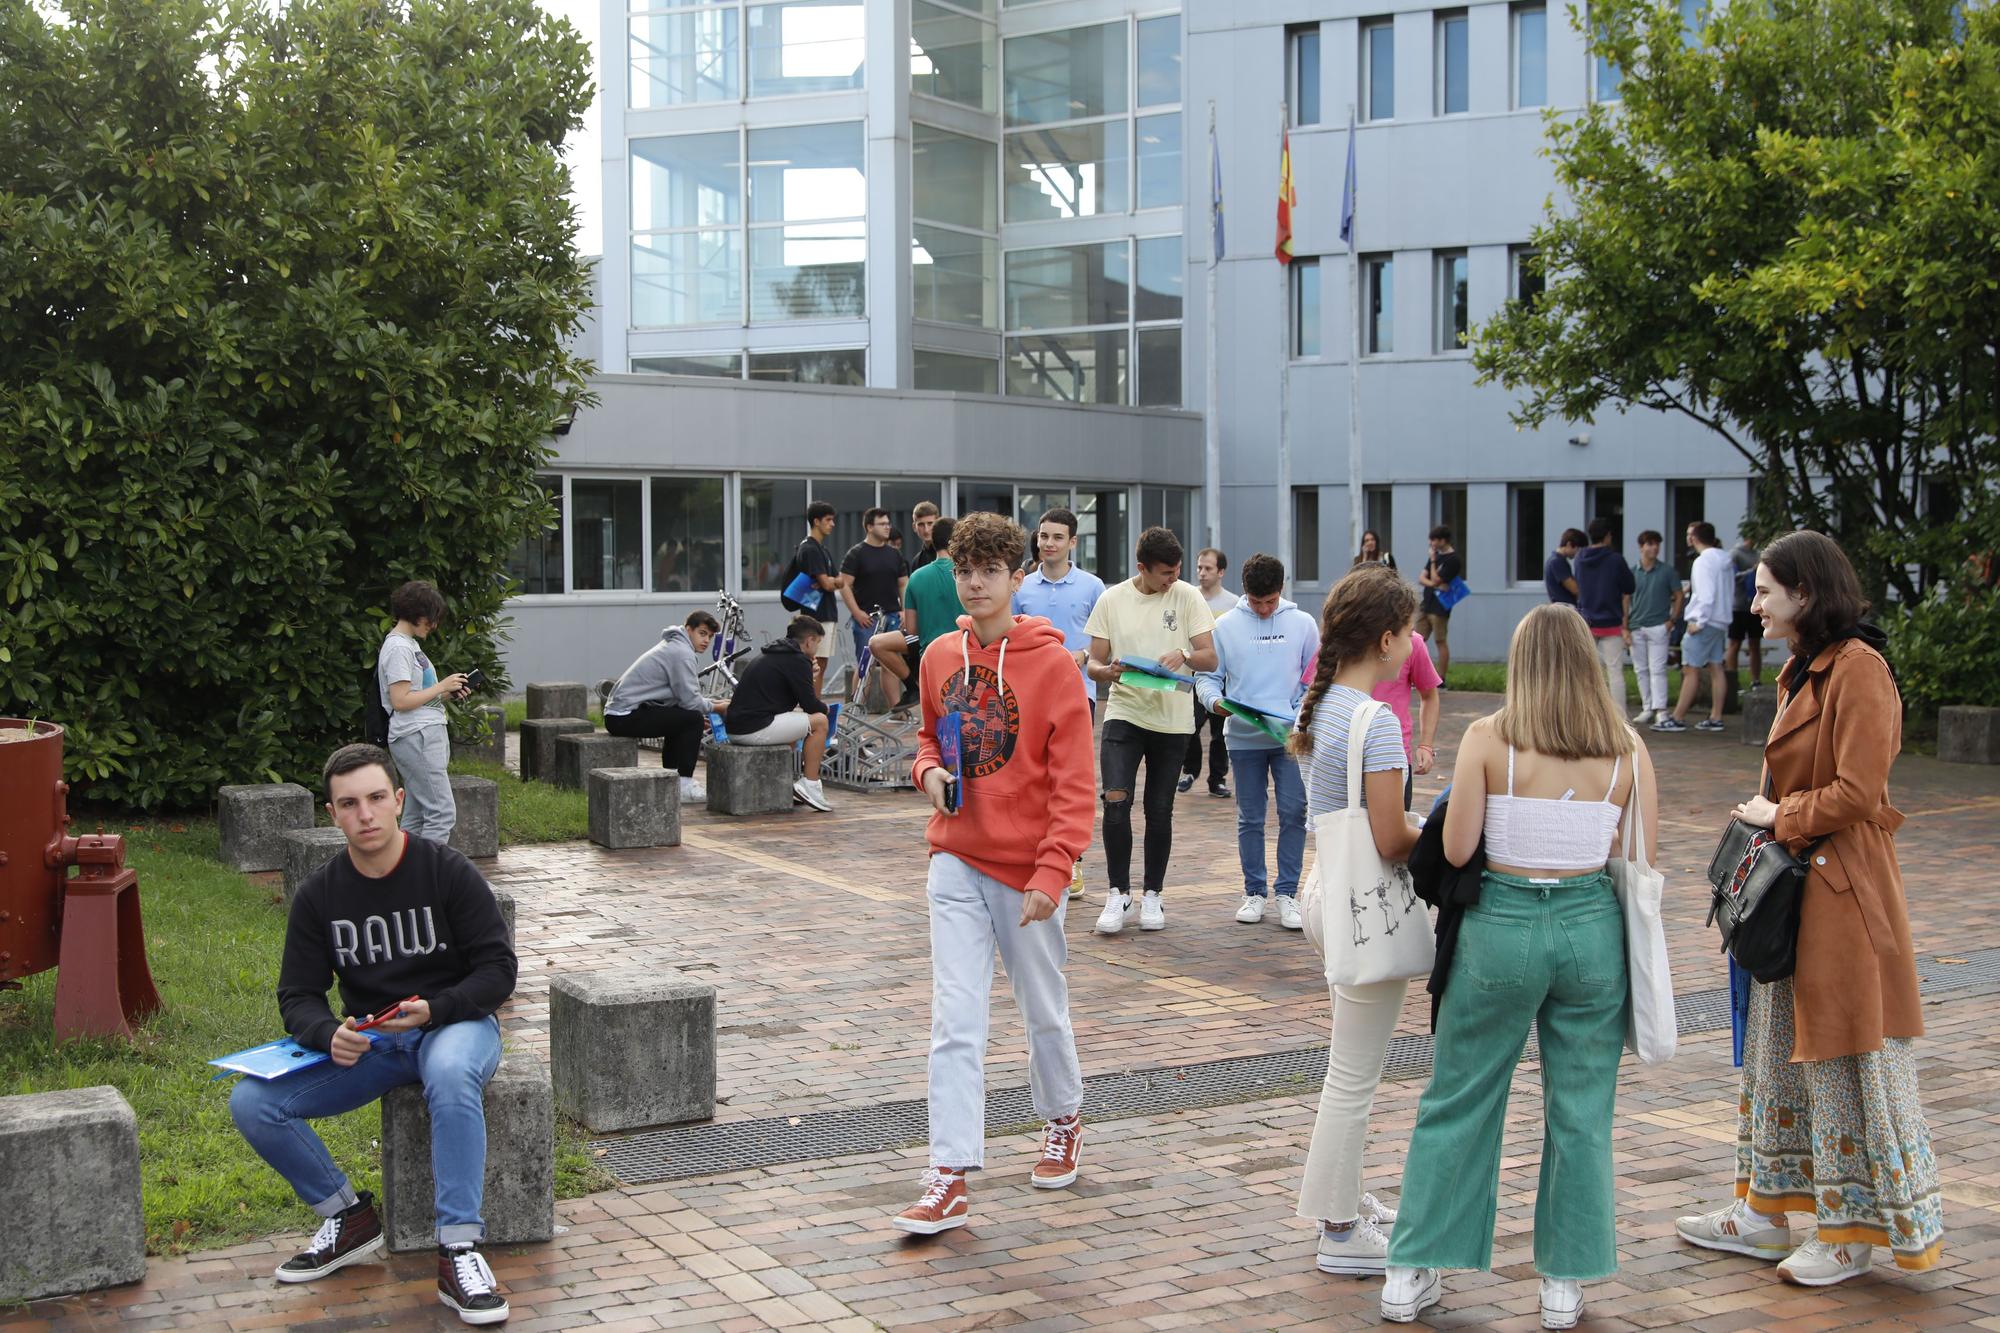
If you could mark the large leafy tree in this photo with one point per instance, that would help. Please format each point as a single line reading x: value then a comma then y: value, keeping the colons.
x: 1788, y: 230
x: 284, y: 295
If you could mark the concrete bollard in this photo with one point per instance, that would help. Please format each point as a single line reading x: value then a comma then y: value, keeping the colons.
x: 635, y: 807
x: 579, y: 752
x: 477, y: 832
x: 74, y: 1219
x: 253, y: 819
x: 748, y: 779
x: 632, y: 1046
x: 520, y: 1203
x: 538, y: 744
x: 306, y: 850
x: 1969, y: 734
x: 562, y: 698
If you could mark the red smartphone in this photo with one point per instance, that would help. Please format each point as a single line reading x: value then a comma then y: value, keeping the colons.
x: 376, y: 1020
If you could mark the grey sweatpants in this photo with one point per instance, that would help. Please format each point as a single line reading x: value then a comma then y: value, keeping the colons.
x: 422, y: 757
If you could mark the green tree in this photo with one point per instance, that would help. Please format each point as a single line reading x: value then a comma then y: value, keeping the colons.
x: 283, y: 307
x: 1788, y: 230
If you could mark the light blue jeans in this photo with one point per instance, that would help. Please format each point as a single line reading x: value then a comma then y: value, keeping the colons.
x: 1253, y: 767
x: 423, y: 759
x: 453, y: 1063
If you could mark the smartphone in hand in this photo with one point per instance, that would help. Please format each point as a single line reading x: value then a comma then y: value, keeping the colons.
x: 475, y: 679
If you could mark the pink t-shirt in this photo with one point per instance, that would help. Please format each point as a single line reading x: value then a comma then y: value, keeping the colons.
x: 1417, y: 674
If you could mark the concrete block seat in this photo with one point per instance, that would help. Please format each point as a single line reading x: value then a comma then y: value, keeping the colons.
x: 1760, y: 709
x: 520, y: 1202
x: 74, y: 1219
x: 492, y: 750
x: 561, y: 698
x: 578, y: 752
x: 254, y: 818
x: 1969, y: 735
x: 538, y: 744
x: 632, y: 1046
x: 637, y: 806
x: 477, y: 832
x: 749, y: 779
x: 306, y: 850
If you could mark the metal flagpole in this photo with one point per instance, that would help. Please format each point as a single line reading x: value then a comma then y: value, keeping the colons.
x: 1285, y: 551
x: 1212, y: 427
x: 1356, y: 509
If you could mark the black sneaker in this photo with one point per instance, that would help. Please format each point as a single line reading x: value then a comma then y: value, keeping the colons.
x: 342, y: 1239
x: 1218, y: 789
x: 468, y: 1286
x: 1185, y: 784
x: 1711, y: 724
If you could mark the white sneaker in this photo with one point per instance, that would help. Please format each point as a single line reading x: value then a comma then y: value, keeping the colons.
x: 692, y: 792
x: 1362, y: 1253
x: 1408, y: 1292
x: 1819, y: 1263
x: 1117, y: 907
x: 1739, y: 1230
x: 1251, y: 912
x: 1288, y: 913
x: 1562, y: 1302
x: 1151, y: 915
x: 812, y: 793
x: 1642, y: 717
x: 1372, y: 1207
x: 1076, y: 880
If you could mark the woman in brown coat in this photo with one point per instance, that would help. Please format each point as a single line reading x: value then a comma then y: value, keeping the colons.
x: 1829, y: 1122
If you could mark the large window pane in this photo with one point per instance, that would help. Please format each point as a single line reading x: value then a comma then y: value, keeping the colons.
x: 953, y: 56
x: 1305, y: 308
x: 1608, y: 86
x: 1160, y: 60
x: 950, y: 372
x: 1378, y: 71
x: 1379, y: 314
x: 1302, y: 73
x: 1525, y: 520
x: 1032, y: 500
x: 1160, y: 161
x: 1159, y: 379
x: 985, y: 497
x: 899, y: 498
x: 1451, y: 298
x: 606, y: 544
x: 1453, y: 65
x: 1162, y: 276
x: 1066, y: 75
x: 814, y: 270
x: 836, y: 365
x: 686, y: 180
x: 689, y: 277
x: 724, y: 365
x: 1531, y: 56
x: 954, y: 179
x: 806, y: 172
x: 1070, y: 367
x: 1104, y: 543
x: 774, y: 523
x: 953, y: 277
x: 1067, y: 287
x: 537, y: 563
x: 850, y: 500
x: 685, y: 57
x: 806, y: 46
x: 1305, y: 534
x: 687, y: 534
x: 1073, y: 172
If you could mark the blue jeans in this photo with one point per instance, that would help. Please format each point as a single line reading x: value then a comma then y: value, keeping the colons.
x: 1252, y: 766
x: 453, y: 1063
x: 887, y: 620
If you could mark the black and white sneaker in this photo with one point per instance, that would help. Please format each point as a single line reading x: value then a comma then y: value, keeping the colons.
x: 468, y: 1286
x: 345, y: 1238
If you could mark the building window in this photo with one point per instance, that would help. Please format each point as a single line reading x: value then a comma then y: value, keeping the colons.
x: 1076, y: 314
x: 899, y: 498
x: 1448, y: 510
x: 1305, y: 534
x: 1305, y: 308
x: 1378, y: 515
x: 1160, y: 61
x: 1608, y: 80
x: 1526, y: 280
x: 1526, y: 526
x: 1070, y: 171
x: 1032, y: 500
x: 954, y: 55
x: 1453, y: 64
x: 1302, y: 73
x: 1073, y: 74
x: 1606, y: 499
x: 1686, y: 503
x: 1531, y: 55
x: 1072, y: 137
x: 687, y: 534
x: 537, y: 563
x: 722, y: 365
x: 1171, y: 508
x: 820, y: 365
x: 954, y: 372
x: 771, y: 513
x: 1104, y: 544
x: 805, y: 46
x: 804, y: 253
x: 1378, y: 313
x: 681, y: 55
x: 1159, y: 374
x: 607, y: 550
x: 1378, y: 70
x: 1452, y: 327
x: 685, y: 55
x: 1159, y: 147
x: 955, y: 248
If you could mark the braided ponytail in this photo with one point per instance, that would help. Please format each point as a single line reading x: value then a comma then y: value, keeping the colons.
x: 1372, y: 600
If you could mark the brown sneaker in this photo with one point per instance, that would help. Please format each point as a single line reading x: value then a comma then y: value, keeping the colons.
x: 1062, y: 1148
x: 467, y: 1285
x: 942, y: 1207
x: 343, y: 1239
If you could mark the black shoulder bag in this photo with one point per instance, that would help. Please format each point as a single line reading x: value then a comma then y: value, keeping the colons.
x: 1757, y: 886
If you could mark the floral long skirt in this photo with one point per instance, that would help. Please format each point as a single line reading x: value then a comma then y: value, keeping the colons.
x: 1843, y: 1139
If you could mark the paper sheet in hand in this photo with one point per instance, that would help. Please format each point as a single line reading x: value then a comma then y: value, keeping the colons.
x: 274, y: 1059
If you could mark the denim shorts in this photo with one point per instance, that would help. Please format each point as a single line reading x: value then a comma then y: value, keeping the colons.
x: 1703, y: 647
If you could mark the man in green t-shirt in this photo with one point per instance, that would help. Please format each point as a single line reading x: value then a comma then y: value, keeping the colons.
x: 930, y: 608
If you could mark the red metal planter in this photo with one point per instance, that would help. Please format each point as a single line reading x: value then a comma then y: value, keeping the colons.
x: 88, y: 925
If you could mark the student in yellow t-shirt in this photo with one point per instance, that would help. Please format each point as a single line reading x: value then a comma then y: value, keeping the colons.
x: 1155, y: 616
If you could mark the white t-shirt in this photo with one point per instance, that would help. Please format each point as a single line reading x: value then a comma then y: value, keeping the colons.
x: 1714, y: 592
x: 1145, y: 626
x: 402, y: 658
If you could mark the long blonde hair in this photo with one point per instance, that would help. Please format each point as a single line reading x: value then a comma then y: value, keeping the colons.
x: 1558, y: 702
x: 1372, y: 600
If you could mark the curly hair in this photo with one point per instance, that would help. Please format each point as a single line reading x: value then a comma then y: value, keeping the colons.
x: 987, y: 539
x: 1372, y: 600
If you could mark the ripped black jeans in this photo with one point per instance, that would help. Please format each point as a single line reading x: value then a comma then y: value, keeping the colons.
x: 1120, y: 751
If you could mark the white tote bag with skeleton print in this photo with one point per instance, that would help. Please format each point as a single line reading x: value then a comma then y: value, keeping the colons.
x: 1371, y: 924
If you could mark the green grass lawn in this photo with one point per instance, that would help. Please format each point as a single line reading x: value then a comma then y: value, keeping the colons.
x: 532, y: 811
x: 517, y: 713
x: 213, y: 939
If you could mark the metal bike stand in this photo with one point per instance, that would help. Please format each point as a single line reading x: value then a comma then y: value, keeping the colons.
x: 874, y: 753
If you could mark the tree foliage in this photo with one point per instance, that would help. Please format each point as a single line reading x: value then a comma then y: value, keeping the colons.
x: 1789, y: 231
x: 283, y: 307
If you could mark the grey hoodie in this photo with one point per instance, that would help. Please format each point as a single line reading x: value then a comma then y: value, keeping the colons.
x: 664, y: 674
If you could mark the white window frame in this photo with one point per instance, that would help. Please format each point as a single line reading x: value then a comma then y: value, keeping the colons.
x: 1365, y: 81
x: 1443, y: 335
x: 1299, y: 266
x: 1514, y: 49
x: 1371, y: 267
x: 1294, y: 79
x: 1443, y: 18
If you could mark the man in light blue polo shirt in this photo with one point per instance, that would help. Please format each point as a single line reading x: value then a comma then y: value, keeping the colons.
x: 1066, y: 595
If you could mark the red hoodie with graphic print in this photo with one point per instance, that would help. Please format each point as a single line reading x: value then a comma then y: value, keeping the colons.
x: 1030, y: 776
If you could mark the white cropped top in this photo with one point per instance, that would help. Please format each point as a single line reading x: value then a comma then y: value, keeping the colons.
x: 1551, y: 833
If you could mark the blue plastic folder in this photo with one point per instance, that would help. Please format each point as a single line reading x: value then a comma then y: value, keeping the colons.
x: 803, y: 590
x: 274, y: 1059
x: 1148, y: 667
x: 951, y: 756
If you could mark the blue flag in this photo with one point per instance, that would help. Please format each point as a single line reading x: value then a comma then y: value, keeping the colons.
x: 1347, y: 188
x: 1215, y: 196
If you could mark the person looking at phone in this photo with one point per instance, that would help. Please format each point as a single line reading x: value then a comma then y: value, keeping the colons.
x: 416, y: 940
x: 414, y: 696
x: 1024, y: 730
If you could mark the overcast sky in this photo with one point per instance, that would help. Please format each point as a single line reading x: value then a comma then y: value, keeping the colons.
x: 585, y: 152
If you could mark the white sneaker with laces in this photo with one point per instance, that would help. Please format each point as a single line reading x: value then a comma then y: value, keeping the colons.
x: 1819, y: 1263
x: 692, y: 792
x: 1362, y: 1253
x: 812, y: 793
x: 1151, y: 915
x: 1562, y: 1302
x: 1372, y: 1207
x: 1117, y: 907
x: 1643, y: 716
x: 1251, y: 912
x: 1737, y: 1229
x: 1408, y: 1292
x: 1288, y: 913
x: 1076, y: 880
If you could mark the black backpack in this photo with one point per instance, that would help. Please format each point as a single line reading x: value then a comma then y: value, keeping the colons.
x: 374, y: 716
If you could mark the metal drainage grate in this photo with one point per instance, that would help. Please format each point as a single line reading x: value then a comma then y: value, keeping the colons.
x: 702, y: 1150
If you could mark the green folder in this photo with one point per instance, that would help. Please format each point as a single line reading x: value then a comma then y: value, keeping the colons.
x: 1268, y: 723
x: 1139, y: 680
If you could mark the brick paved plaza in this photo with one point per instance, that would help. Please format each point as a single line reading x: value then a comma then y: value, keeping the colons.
x: 812, y: 927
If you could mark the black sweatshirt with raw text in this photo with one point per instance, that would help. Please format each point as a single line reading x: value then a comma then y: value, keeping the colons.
x: 431, y: 928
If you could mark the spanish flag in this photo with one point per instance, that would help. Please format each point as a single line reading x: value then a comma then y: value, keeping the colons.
x: 1287, y: 196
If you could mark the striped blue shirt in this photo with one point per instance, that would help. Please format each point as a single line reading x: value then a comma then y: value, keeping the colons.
x: 1326, y: 781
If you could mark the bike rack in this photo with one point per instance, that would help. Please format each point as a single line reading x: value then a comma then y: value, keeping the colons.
x: 874, y: 753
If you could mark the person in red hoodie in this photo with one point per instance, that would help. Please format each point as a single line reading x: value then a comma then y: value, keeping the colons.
x: 1002, y: 850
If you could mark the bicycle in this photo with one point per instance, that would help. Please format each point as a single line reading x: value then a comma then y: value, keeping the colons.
x: 717, y: 680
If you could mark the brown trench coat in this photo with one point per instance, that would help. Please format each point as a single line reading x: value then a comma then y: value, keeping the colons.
x: 1829, y: 755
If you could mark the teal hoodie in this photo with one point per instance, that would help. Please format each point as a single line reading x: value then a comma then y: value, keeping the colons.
x: 1262, y: 661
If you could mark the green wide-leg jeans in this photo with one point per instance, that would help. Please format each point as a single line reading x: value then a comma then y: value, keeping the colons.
x: 1551, y: 955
